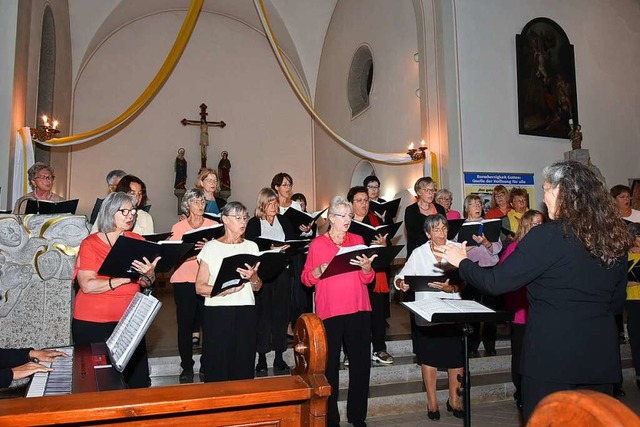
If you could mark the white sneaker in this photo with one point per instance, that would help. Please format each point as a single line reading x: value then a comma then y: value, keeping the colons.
x: 382, y: 357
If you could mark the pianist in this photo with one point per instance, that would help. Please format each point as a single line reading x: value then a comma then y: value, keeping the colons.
x: 22, y: 362
x: 41, y: 178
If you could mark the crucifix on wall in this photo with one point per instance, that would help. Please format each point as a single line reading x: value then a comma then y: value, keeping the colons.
x: 204, y: 132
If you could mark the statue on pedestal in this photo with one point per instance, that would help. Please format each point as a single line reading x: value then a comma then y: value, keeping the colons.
x: 224, y: 175
x: 180, y: 168
x: 580, y: 154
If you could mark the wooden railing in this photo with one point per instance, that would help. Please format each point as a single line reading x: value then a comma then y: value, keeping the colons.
x: 582, y: 408
x: 296, y: 400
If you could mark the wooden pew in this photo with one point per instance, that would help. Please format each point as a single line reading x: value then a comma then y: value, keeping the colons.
x: 296, y: 400
x: 582, y: 408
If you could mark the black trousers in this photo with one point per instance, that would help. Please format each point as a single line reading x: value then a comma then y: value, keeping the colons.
x: 517, y: 338
x: 301, y: 295
x: 354, y: 330
x: 633, y: 326
x: 378, y: 319
x: 188, y: 307
x: 272, y: 307
x: 534, y: 390
x: 229, y: 342
x: 136, y: 374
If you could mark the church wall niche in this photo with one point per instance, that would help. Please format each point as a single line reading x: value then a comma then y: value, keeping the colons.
x: 392, y: 119
x: 227, y: 65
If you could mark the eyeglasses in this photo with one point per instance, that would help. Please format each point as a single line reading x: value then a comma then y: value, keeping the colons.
x: 360, y: 200
x: 519, y: 200
x: 198, y: 202
x: 211, y: 181
x: 475, y: 205
x: 624, y: 196
x: 373, y: 187
x: 45, y: 178
x: 127, y: 212
x: 440, y: 230
x: 286, y: 185
x: 239, y: 218
x: 133, y: 193
x: 428, y: 190
x: 444, y: 199
x: 344, y: 216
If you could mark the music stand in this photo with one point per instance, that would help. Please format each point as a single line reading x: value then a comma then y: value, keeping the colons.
x: 465, y: 319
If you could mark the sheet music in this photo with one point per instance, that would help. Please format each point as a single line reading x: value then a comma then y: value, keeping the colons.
x: 131, y: 329
x: 426, y: 308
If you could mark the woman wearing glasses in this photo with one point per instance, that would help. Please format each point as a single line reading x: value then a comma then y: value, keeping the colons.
x: 41, y: 178
x: 208, y: 182
x: 134, y: 186
x: 229, y: 319
x: 189, y: 305
x: 444, y: 198
x: 415, y: 214
x: 101, y: 300
x: 342, y: 302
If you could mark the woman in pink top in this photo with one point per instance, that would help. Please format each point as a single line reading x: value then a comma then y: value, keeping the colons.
x: 516, y: 301
x: 188, y: 304
x: 342, y: 302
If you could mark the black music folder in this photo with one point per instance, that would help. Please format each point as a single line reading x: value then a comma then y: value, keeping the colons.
x: 295, y: 245
x: 45, y: 207
x: 341, y: 262
x: 126, y: 250
x: 298, y: 218
x: 157, y: 237
x: 271, y: 263
x: 421, y: 283
x: 454, y: 228
x: 369, y: 232
x: 490, y: 227
x: 95, y: 210
x: 215, y: 217
x: 146, y: 208
x: 211, y: 232
x: 391, y: 208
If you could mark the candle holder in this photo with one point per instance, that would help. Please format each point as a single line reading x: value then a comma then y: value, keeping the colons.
x: 45, y: 131
x: 417, y: 153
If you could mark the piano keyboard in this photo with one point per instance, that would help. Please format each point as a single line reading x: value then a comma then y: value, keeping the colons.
x: 55, y: 382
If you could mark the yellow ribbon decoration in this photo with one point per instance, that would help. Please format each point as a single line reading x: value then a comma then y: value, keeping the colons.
x: 158, y: 81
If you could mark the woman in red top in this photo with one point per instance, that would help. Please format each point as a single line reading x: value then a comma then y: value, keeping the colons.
x: 359, y: 198
x: 101, y: 301
x: 499, y: 203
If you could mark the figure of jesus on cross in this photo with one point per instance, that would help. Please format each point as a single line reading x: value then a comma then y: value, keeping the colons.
x: 204, y: 132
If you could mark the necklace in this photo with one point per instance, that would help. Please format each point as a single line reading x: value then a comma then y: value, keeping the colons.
x: 427, y: 208
x: 335, y: 241
x: 109, y: 241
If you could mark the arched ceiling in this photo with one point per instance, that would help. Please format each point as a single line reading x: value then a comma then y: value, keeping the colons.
x: 299, y: 25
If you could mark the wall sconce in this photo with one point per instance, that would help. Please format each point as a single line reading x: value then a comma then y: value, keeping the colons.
x: 417, y: 153
x: 46, y: 131
x: 416, y: 57
x: 418, y: 92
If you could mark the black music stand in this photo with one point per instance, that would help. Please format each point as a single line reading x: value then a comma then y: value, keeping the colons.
x: 464, y: 319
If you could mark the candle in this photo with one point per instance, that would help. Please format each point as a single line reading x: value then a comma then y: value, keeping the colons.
x: 45, y: 120
x: 422, y: 143
x: 411, y: 146
x: 55, y: 124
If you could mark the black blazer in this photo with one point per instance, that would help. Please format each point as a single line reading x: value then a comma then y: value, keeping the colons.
x: 254, y: 229
x: 414, y: 223
x: 10, y: 358
x: 571, y: 334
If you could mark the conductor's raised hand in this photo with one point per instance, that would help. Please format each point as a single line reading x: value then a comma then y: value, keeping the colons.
x: 363, y: 262
x: 452, y: 253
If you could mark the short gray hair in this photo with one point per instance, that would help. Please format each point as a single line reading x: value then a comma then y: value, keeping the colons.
x: 114, y: 174
x: 105, y: 222
x: 442, y: 193
x: 338, y: 201
x: 194, y: 193
x: 35, y: 168
x: 433, y: 220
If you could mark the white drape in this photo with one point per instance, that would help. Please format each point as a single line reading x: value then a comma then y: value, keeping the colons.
x: 23, y: 159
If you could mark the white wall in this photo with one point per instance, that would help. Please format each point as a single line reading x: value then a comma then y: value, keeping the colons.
x: 393, y: 118
x: 606, y: 37
x: 228, y: 66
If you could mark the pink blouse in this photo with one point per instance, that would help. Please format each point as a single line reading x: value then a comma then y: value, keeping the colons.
x: 515, y: 301
x: 340, y: 294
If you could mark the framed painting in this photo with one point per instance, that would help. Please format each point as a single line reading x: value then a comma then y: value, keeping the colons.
x: 546, y: 78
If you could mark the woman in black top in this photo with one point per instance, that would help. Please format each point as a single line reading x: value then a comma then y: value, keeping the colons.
x: 415, y: 214
x: 274, y: 299
x: 576, y: 270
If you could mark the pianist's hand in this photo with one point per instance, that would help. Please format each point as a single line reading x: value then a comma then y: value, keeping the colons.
x: 28, y: 369
x: 46, y: 355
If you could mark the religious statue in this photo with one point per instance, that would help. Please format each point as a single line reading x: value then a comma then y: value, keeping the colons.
x: 580, y: 154
x: 204, y: 143
x: 181, y: 171
x: 204, y: 132
x: 224, y: 174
